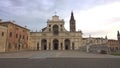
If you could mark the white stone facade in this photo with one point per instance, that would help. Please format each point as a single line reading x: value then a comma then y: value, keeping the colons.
x: 56, y: 37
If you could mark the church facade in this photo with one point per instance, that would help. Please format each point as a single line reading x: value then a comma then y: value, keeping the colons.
x: 55, y: 37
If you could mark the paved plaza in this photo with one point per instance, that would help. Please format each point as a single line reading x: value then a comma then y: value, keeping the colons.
x: 58, y: 59
x: 54, y: 54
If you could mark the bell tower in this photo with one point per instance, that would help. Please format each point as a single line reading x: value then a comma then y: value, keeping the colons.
x: 72, y: 23
x: 118, y: 37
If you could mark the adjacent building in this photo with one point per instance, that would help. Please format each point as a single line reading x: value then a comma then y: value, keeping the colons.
x: 114, y: 45
x: 94, y: 41
x: 95, y: 44
x: 16, y: 36
x: 3, y: 38
x: 55, y: 37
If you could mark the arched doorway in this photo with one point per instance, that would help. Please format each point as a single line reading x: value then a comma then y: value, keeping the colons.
x: 55, y: 44
x: 67, y: 44
x: 44, y: 44
x: 37, y: 45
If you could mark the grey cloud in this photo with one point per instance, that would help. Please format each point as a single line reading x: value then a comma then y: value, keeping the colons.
x: 17, y: 2
x: 36, y: 4
x: 34, y: 12
x: 27, y: 5
x: 28, y: 8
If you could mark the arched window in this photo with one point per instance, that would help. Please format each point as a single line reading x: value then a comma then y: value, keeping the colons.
x: 55, y: 29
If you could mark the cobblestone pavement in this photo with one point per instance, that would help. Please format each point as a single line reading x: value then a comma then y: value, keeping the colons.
x: 58, y: 59
x: 54, y: 54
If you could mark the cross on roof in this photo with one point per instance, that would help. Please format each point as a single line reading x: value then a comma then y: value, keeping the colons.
x: 55, y: 12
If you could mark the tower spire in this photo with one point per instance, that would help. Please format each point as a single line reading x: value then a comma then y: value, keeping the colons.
x: 118, y: 34
x: 72, y: 16
x: 106, y: 37
x: 72, y: 23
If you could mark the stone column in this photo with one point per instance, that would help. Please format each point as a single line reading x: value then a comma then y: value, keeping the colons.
x: 87, y: 48
x: 35, y: 47
x: 63, y: 44
x: 40, y: 45
x: 59, y: 47
x: 47, y: 44
x: 70, y: 44
x: 51, y: 47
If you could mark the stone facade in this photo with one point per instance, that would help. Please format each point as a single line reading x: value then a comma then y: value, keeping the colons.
x: 3, y: 38
x: 94, y: 41
x: 17, y: 36
x: 56, y: 37
x: 113, y: 45
x: 95, y: 45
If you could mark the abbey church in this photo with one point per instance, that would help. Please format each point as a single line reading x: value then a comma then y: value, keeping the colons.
x: 55, y: 37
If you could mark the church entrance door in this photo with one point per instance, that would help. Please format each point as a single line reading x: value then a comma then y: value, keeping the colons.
x: 44, y: 44
x: 67, y: 44
x: 55, y: 44
x: 66, y: 47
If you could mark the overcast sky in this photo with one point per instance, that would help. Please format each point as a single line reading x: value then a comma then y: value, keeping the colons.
x: 95, y: 17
